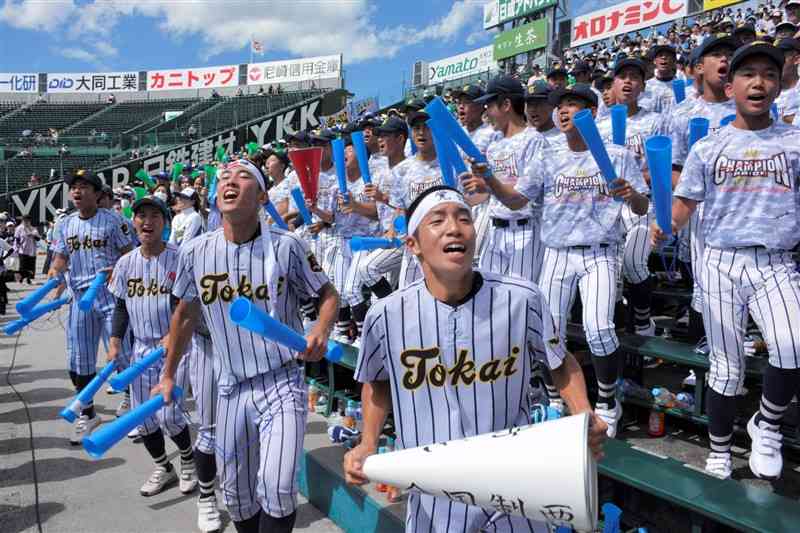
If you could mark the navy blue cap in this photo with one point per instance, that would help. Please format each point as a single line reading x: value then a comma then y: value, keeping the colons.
x: 789, y: 44
x: 392, y: 125
x: 501, y: 85
x: 540, y: 90
x: 85, y: 175
x: 631, y: 62
x: 300, y: 136
x: 154, y: 202
x: 163, y: 176
x: 744, y: 28
x: 579, y: 90
x: 581, y: 66
x: 753, y: 49
x: 369, y: 121
x: 655, y: 50
x: 555, y: 71
x: 322, y: 136
x: 469, y: 91
x: 713, y: 41
x: 416, y: 116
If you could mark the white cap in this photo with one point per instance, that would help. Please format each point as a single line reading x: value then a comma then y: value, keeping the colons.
x: 9, y: 224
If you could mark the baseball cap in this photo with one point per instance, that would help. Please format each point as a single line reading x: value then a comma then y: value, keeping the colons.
x: 558, y: 71
x: 86, y: 176
x: 107, y: 190
x: 412, y: 104
x: 793, y: 3
x: 471, y: 91
x: 756, y: 48
x: 187, y: 193
x: 790, y: 44
x: 501, y: 85
x: 713, y: 41
x: 163, y: 176
x: 743, y: 29
x: 392, y: 125
x: 657, y: 49
x: 322, y: 136
x: 416, y: 116
x: 580, y: 66
x: 786, y: 25
x: 154, y: 202
x: 631, y: 62
x: 299, y: 136
x: 579, y: 90
x: 540, y: 90
x: 369, y: 121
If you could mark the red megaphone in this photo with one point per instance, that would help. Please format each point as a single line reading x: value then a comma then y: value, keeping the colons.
x: 306, y: 162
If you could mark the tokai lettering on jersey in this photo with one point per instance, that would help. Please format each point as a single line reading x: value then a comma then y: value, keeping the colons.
x: 74, y: 243
x: 137, y: 288
x: 743, y: 173
x: 418, y: 372
x: 217, y: 286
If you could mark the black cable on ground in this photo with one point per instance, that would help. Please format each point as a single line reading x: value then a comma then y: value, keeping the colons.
x: 30, y: 432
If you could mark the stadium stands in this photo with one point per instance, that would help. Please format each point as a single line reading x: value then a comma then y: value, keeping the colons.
x: 40, y: 117
x: 8, y: 107
x: 122, y: 116
x: 20, y: 168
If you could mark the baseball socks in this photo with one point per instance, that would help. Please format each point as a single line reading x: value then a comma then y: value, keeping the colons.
x: 87, y: 421
x: 607, y: 407
x: 721, y: 412
x: 382, y: 289
x: 764, y: 427
x: 188, y: 476
x: 553, y: 397
x: 641, y: 298
x: 359, y: 312
x: 342, y: 328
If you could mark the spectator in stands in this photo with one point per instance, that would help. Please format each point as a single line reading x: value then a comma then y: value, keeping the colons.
x: 745, y: 33
x: 785, y: 30
x: 792, y: 10
x: 34, y: 181
x: 214, y: 93
x: 199, y: 182
x: 557, y: 78
x: 25, y: 238
x: 271, y: 90
x: 261, y: 91
x: 581, y: 72
x: 111, y: 98
x: 239, y: 92
x: 191, y: 132
x: 163, y: 193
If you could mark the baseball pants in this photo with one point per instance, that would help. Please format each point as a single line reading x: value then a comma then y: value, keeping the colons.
x: 371, y: 268
x: 86, y: 329
x: 204, y: 375
x: 593, y: 270
x: 260, y: 429
x: 514, y: 251
x: 410, y: 270
x: 171, y: 417
x: 636, y: 251
x: 763, y: 282
x: 480, y: 216
x: 697, y: 244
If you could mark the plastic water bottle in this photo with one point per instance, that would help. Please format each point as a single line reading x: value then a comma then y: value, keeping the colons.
x: 322, y: 404
x: 359, y: 416
x: 313, y: 396
x: 631, y: 389
x: 685, y: 400
x: 663, y: 397
x: 350, y: 415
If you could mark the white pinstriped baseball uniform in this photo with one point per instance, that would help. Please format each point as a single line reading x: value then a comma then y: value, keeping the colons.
x: 458, y: 371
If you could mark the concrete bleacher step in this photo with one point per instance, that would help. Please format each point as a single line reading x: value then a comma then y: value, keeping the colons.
x: 104, y: 111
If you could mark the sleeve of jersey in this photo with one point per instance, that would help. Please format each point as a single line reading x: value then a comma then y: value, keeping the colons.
x: 691, y: 184
x: 59, y: 242
x: 194, y: 229
x: 531, y: 183
x: 544, y: 343
x: 184, y: 287
x: 371, y: 364
x: 122, y: 235
x: 396, y: 191
x: 119, y: 278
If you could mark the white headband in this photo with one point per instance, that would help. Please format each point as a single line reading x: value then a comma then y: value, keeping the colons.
x: 270, y: 262
x: 430, y: 201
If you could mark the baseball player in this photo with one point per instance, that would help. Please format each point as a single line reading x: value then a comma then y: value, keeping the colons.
x: 352, y: 213
x: 581, y: 230
x: 188, y: 223
x: 88, y: 241
x: 261, y: 409
x: 629, y: 76
x: 142, y: 283
x: 713, y: 104
x: 539, y: 112
x: 413, y: 176
x: 747, y: 178
x: 372, y: 271
x: 788, y: 100
x: 513, y: 247
x: 658, y: 95
x: 276, y: 164
x: 497, y: 328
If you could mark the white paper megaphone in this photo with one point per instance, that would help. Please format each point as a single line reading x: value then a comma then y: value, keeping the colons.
x: 544, y: 472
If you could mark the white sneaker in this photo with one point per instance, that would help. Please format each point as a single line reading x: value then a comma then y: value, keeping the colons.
x: 702, y: 347
x: 134, y: 433
x: 648, y: 330
x: 124, y: 405
x: 83, y: 427
x: 208, y: 518
x: 188, y: 478
x: 610, y: 417
x: 690, y: 380
x: 719, y: 465
x: 111, y: 390
x: 158, y: 481
x: 765, y: 451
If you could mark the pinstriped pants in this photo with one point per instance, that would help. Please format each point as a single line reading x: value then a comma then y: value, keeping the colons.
x: 204, y: 375
x: 636, y: 252
x: 763, y: 282
x: 593, y: 271
x: 371, y: 269
x: 515, y: 251
x: 170, y: 417
x: 697, y: 245
x: 260, y: 429
x: 85, y: 329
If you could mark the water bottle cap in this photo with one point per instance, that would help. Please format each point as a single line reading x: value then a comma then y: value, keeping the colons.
x: 351, y: 403
x: 312, y: 382
x: 656, y: 391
